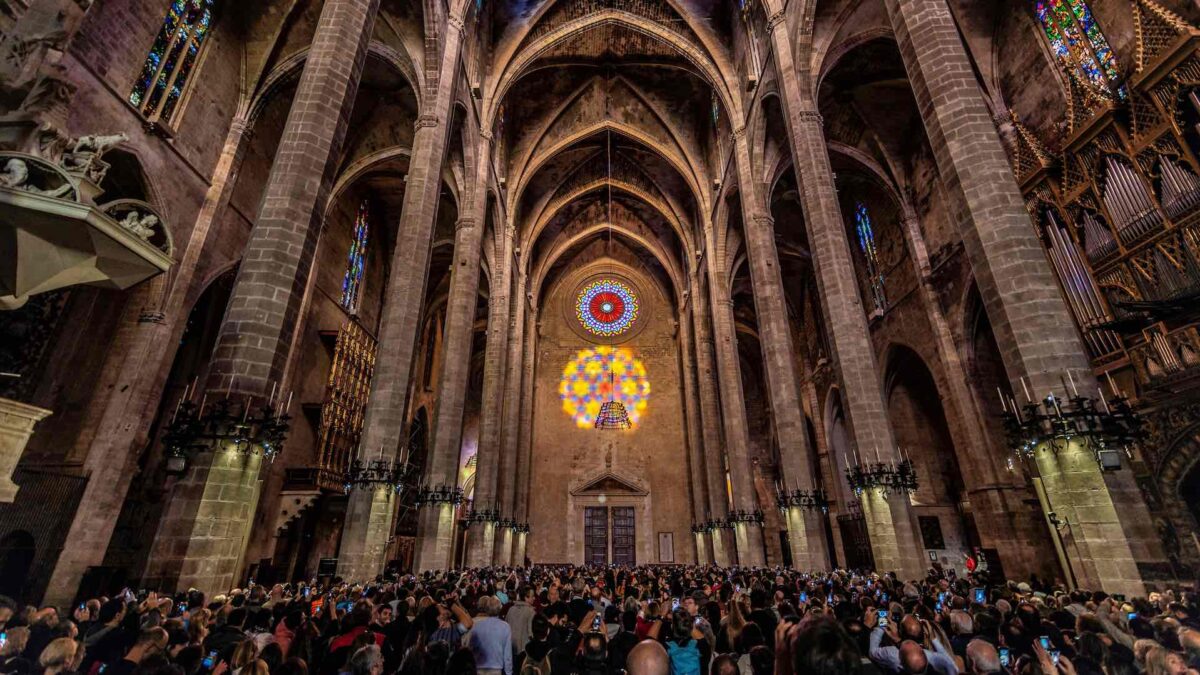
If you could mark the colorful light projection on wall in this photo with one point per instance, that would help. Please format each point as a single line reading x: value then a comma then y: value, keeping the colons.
x: 606, y: 308
x: 588, y: 380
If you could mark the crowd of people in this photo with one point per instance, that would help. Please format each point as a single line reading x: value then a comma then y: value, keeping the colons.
x: 667, y: 620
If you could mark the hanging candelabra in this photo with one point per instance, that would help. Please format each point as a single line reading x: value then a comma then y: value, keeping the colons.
x: 814, y: 500
x: 378, y: 472
x: 745, y: 516
x: 888, y: 477
x: 226, y: 422
x: 519, y: 528
x: 613, y: 415
x: 439, y: 494
x: 1107, y: 428
x: 482, y: 515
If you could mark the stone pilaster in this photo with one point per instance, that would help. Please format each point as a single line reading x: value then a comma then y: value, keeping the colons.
x: 695, y: 439
x: 525, y: 439
x: 16, y: 426
x: 748, y: 536
x: 1037, y: 338
x: 400, y: 321
x: 143, y: 368
x: 893, y: 535
x: 202, y: 537
x: 710, y: 426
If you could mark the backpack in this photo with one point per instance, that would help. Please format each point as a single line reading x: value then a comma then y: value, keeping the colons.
x: 685, y: 659
x: 536, y: 668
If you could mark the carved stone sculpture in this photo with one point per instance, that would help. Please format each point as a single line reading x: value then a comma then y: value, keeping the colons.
x: 140, y: 224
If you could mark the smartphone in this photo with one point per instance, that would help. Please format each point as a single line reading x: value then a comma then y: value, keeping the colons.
x: 1119, y: 597
x: 1054, y: 654
x: 307, y: 592
x: 980, y: 596
x: 1005, y: 657
x: 697, y: 621
x: 82, y: 606
x: 210, y: 660
x: 182, y: 607
x: 829, y: 599
x: 3, y: 639
x: 596, y: 623
x: 803, y: 596
x: 1045, y: 642
x: 103, y: 667
x: 1131, y: 616
x: 674, y: 604
x: 883, y: 618
x: 883, y: 597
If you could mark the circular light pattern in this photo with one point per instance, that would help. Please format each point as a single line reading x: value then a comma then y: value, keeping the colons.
x: 606, y: 308
x: 588, y: 382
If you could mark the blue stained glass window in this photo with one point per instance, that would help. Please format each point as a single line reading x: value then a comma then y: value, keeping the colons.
x: 172, y: 58
x: 356, y: 260
x: 1078, y: 43
x: 866, y: 243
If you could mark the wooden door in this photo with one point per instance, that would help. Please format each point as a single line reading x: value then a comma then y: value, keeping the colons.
x: 624, y: 536
x: 856, y: 540
x: 595, y: 535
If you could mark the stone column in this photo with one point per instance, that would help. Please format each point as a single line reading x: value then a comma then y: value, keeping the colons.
x: 806, y: 535
x: 143, y: 368
x: 695, y: 440
x: 889, y: 520
x: 710, y: 427
x: 1034, y: 330
x: 513, y: 407
x: 361, y: 554
x: 749, y: 536
x: 525, y: 441
x: 482, y: 542
x: 202, y: 536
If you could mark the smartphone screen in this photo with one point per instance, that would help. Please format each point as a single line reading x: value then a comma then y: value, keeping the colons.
x: 883, y: 618
x: 596, y: 622
x: 1054, y: 654
x: 3, y: 639
x: 210, y: 660
x: 1005, y: 659
x: 1044, y: 641
x: 980, y: 596
x: 803, y: 596
x: 1131, y: 616
x: 674, y: 604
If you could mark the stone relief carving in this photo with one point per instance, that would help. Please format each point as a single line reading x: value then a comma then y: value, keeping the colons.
x: 141, y: 220
x: 84, y: 158
x: 31, y: 174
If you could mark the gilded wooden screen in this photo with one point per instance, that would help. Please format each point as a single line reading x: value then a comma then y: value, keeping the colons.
x: 345, y: 397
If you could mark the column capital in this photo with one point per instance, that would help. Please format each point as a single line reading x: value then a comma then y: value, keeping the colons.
x: 739, y: 133
x: 464, y: 223
x: 455, y: 22
x: 764, y: 218
x: 486, y: 134
x: 427, y: 120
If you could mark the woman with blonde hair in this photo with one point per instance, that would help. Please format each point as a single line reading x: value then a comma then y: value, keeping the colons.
x: 244, y: 656
x: 1162, y: 661
x: 58, y: 656
x: 732, y: 624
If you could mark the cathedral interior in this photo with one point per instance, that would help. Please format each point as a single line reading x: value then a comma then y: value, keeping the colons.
x: 300, y: 288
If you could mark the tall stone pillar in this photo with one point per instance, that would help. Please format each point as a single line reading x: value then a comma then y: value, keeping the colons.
x: 889, y: 519
x: 806, y: 534
x: 513, y: 406
x: 483, y: 540
x: 203, y: 534
x: 361, y: 554
x: 525, y: 440
x: 717, y: 507
x: 697, y: 477
x: 748, y: 536
x: 143, y: 369
x: 1034, y: 330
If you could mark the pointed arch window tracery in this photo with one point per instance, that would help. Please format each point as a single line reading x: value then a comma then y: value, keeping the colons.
x: 1078, y: 43
x: 173, y: 57
x: 865, y: 230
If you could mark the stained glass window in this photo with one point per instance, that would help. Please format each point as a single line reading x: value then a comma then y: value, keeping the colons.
x: 356, y: 260
x: 172, y: 58
x: 1077, y: 42
x: 606, y: 308
x: 595, y: 376
x: 866, y: 243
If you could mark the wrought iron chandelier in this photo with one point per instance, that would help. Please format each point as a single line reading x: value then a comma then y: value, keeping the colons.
x: 814, y: 500
x: 1107, y: 428
x: 745, y: 516
x: 888, y: 477
x: 250, y: 430
x: 378, y: 472
x: 440, y: 494
x: 483, y: 515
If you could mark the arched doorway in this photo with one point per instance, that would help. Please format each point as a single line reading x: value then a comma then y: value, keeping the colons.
x: 923, y: 434
x: 17, y: 550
